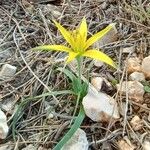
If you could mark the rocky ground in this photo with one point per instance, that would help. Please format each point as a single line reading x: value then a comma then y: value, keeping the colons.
x: 39, y: 123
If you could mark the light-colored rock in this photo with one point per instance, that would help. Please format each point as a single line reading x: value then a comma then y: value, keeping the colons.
x: 122, y: 108
x: 50, y: 116
x: 136, y: 123
x: 42, y: 148
x: 99, y: 106
x: 7, y: 146
x: 8, y: 105
x: 52, y: 9
x: 134, y: 89
x: 146, y: 67
x: 98, y: 63
x: 3, y: 125
x: 97, y: 82
x: 133, y: 65
x: 148, y: 117
x: 7, y: 71
x: 137, y: 76
x: 127, y: 50
x: 30, y: 147
x: 5, y: 54
x: 146, y: 145
x: 123, y: 145
x: 77, y: 142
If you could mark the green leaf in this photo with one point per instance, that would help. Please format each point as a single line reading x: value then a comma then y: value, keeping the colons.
x: 147, y: 88
x: 73, y: 129
x: 67, y: 73
x: 20, y: 110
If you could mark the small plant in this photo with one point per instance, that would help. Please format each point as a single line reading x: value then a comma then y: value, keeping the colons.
x: 78, y: 46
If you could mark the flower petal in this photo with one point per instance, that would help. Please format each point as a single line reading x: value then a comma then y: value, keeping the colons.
x: 72, y: 55
x: 95, y: 54
x: 53, y: 47
x: 83, y: 29
x: 66, y: 34
x: 98, y: 35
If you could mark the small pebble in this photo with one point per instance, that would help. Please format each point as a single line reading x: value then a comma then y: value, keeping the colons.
x: 136, y: 123
x: 8, y: 71
x: 137, y: 76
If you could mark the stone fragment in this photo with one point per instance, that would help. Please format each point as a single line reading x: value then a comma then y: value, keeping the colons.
x: 4, y: 55
x: 133, y: 64
x: 8, y: 104
x: 77, y: 142
x: 3, y: 125
x: 146, y: 145
x: 146, y: 66
x: 7, y: 146
x: 136, y: 123
x: 99, y: 106
x: 42, y: 148
x: 30, y: 147
x: 123, y: 145
x: 137, y: 76
x: 7, y: 71
x: 134, y: 89
x: 98, y: 63
x: 127, y: 50
x: 97, y: 82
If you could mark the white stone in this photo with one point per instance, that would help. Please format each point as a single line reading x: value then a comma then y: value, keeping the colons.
x: 146, y: 145
x: 77, y: 142
x: 97, y: 82
x: 123, y: 145
x: 127, y: 50
x: 42, y: 148
x: 3, y: 125
x: 8, y: 105
x: 50, y: 116
x: 133, y: 64
x: 137, y: 76
x: 7, y: 146
x: 99, y: 106
x: 134, y: 89
x: 146, y: 66
x: 136, y: 123
x: 8, y: 71
x: 98, y: 63
x: 30, y: 147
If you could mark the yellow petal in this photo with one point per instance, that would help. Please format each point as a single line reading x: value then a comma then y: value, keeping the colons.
x: 72, y: 55
x: 53, y: 47
x: 83, y: 30
x: 95, y: 54
x: 66, y: 34
x: 98, y: 35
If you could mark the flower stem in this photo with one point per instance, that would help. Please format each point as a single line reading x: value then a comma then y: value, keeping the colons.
x: 79, y: 61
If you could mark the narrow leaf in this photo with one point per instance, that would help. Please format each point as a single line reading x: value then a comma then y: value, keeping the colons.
x: 73, y: 129
x: 67, y: 73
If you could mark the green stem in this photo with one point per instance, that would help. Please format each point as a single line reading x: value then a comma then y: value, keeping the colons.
x: 79, y: 61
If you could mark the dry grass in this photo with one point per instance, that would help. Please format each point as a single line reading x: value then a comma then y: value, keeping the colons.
x: 24, y: 26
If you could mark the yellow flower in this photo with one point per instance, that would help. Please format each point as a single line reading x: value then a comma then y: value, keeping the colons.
x: 79, y: 44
